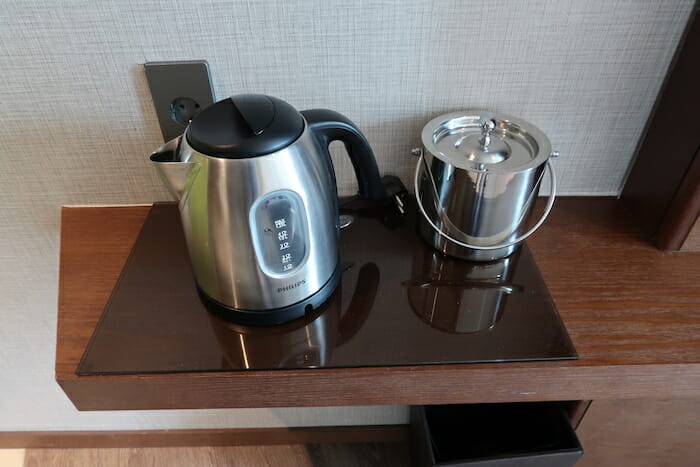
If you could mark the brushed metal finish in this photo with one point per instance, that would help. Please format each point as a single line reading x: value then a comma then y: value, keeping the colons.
x: 484, y: 209
x: 175, y: 175
x: 215, y: 208
x: 427, y: 216
x: 480, y: 204
x: 453, y: 136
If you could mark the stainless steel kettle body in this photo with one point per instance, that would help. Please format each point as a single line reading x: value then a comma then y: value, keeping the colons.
x: 262, y: 232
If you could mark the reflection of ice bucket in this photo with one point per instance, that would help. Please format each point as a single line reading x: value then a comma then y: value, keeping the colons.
x: 459, y: 296
x: 304, y: 343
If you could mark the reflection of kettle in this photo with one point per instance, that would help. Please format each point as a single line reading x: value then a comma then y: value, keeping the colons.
x: 305, y: 343
x: 459, y: 296
x: 258, y: 203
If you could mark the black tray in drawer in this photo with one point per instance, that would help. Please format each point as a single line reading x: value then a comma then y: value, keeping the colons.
x: 495, y: 435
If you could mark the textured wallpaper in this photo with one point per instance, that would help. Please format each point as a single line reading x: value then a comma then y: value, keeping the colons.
x: 77, y: 124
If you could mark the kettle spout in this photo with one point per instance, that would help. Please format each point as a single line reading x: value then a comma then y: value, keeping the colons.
x: 174, y: 173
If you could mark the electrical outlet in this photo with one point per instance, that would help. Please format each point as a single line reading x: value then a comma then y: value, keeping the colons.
x: 179, y: 90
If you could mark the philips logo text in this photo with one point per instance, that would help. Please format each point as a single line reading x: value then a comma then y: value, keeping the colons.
x: 289, y: 287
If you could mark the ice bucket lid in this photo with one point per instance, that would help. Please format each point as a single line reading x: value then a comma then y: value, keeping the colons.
x: 486, y: 141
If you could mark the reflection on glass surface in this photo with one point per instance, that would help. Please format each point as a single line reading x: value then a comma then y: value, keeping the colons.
x: 459, y: 296
x: 420, y: 312
x: 304, y: 343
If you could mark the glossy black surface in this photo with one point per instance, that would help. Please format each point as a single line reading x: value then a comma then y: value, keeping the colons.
x: 399, y: 303
x: 246, y: 125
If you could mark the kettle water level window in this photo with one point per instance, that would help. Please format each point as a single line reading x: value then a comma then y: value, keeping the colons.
x: 279, y: 230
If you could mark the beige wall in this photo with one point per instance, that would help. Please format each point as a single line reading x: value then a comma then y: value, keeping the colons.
x: 76, y: 123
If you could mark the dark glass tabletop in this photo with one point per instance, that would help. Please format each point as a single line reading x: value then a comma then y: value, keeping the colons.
x: 399, y: 303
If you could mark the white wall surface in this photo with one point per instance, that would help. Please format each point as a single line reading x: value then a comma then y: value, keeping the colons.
x: 76, y: 124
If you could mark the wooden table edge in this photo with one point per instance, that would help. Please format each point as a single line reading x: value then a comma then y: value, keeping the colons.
x: 424, y: 384
x: 381, y: 386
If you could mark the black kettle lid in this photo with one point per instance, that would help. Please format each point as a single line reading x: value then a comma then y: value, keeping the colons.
x: 246, y: 125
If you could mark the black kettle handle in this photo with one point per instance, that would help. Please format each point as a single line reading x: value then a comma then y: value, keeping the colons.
x: 328, y: 126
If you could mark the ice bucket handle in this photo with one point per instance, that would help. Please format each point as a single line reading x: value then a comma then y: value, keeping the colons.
x: 547, y: 210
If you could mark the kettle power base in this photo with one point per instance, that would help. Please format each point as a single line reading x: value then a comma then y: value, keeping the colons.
x: 278, y: 315
x: 399, y: 303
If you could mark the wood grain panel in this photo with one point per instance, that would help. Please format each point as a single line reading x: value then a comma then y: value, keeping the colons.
x: 89, y: 270
x: 632, y: 311
x: 240, y: 456
x: 642, y: 433
x: 365, y: 455
x: 314, y: 455
x: 450, y: 384
x: 202, y: 437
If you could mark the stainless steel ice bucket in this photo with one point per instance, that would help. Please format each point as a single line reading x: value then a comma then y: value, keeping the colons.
x: 476, y: 181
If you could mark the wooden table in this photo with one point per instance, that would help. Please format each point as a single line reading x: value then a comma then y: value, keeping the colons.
x: 632, y: 311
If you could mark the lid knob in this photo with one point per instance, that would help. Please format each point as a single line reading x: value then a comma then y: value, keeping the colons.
x: 486, y: 129
x: 482, y: 148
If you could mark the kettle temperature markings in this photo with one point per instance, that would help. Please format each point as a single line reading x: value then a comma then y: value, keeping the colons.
x: 283, y: 235
x: 281, y: 243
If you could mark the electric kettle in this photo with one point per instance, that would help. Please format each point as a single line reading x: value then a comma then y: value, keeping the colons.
x: 259, y: 204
